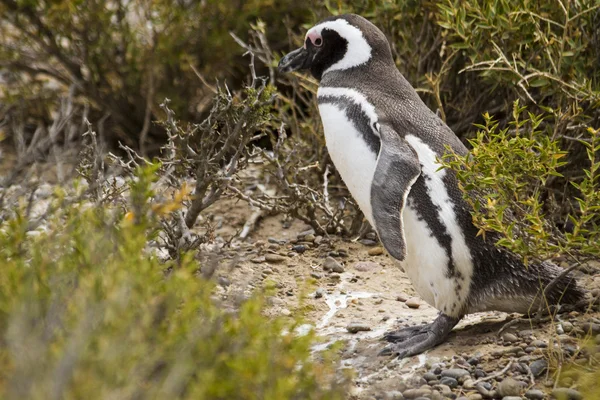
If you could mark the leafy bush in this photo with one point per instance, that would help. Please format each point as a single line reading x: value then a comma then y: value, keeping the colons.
x: 122, y: 58
x: 514, y: 169
x: 86, y: 312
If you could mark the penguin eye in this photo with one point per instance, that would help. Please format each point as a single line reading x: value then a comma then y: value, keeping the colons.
x: 318, y: 42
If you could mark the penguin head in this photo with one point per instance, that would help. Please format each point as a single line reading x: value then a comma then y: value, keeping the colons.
x: 338, y: 43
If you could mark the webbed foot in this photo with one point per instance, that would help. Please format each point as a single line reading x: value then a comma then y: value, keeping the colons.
x: 416, y: 339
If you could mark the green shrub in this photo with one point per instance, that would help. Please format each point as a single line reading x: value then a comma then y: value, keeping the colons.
x: 87, y: 312
x: 508, y: 178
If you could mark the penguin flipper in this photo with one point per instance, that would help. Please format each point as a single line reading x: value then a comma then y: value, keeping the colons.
x: 397, y: 169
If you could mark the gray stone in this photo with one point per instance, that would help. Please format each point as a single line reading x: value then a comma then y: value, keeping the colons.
x: 565, y: 393
x: 299, y: 248
x: 473, y: 361
x: 592, y: 328
x: 444, y: 389
x: 368, y: 242
x: 274, y: 258
x: 304, y: 233
x: 331, y: 264
x: 510, y: 337
x: 354, y: 327
x: 479, y: 373
x: 567, y: 326
x: 455, y: 373
x: 364, y: 266
x: 416, y: 393
x: 449, y: 381
x: 319, y: 293
x: 535, y: 394
x: 468, y: 384
x: 539, y: 343
x: 509, y: 387
x: 538, y: 367
x: 394, y: 395
x: 429, y: 376
x: 310, y: 237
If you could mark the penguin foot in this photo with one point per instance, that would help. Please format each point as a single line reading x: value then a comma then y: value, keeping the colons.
x: 416, y: 339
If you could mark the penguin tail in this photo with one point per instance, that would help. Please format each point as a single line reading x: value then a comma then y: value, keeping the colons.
x: 561, y: 287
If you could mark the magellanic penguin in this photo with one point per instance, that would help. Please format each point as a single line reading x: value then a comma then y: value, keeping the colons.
x: 384, y: 142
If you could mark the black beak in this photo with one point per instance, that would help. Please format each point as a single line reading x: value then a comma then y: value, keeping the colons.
x: 294, y: 61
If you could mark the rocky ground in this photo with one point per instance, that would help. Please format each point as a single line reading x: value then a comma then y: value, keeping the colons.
x: 351, y: 291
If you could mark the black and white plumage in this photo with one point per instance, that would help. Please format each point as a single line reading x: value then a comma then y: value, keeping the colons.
x: 384, y: 142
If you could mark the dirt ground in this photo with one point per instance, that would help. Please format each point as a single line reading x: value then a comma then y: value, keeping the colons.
x: 366, y: 290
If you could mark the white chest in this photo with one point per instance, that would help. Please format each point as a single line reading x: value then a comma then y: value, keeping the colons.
x: 349, y: 152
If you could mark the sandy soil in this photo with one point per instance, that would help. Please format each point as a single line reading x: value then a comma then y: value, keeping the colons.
x: 369, y: 291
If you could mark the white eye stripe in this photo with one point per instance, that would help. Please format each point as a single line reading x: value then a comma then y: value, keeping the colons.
x: 358, y: 52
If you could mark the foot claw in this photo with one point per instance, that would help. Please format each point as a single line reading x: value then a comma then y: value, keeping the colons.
x: 413, y: 340
x: 404, y: 333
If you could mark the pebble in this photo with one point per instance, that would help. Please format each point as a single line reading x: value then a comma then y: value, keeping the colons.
x: 510, y: 337
x: 221, y: 280
x: 479, y: 373
x: 429, y: 376
x: 394, y: 395
x: 509, y: 388
x: 319, y: 293
x: 468, y: 384
x: 354, y: 327
x: 413, y: 302
x: 368, y: 242
x: 402, y: 297
x: 527, y: 333
x: 365, y: 266
x: 449, y: 381
x: 538, y: 367
x: 286, y: 312
x: 315, y: 275
x: 305, y: 233
x: 455, y: 373
x: 567, y: 326
x: 512, y: 398
x: 299, y: 248
x: 416, y: 393
x: 594, y: 328
x: 535, y: 394
x: 376, y: 251
x: 475, y: 396
x: 473, y: 361
x: 274, y: 258
x: 566, y: 394
x: 275, y: 240
x: 331, y: 264
x: 318, y: 240
x: 310, y: 237
x: 539, y: 343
